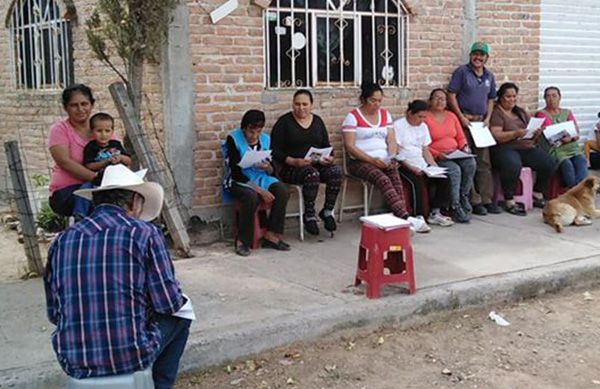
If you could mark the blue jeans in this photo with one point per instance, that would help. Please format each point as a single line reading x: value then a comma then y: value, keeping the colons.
x: 460, y: 174
x: 65, y: 203
x: 174, y: 333
x: 573, y: 170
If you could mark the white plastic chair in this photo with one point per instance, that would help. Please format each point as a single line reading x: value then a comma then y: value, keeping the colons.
x: 367, y: 189
x: 138, y: 380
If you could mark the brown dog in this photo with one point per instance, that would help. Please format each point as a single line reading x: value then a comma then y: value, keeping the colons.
x: 576, y: 206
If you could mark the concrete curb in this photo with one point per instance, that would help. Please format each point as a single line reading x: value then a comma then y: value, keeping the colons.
x: 215, y: 347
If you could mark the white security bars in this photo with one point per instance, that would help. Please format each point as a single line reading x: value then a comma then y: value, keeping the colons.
x: 336, y: 43
x: 40, y: 42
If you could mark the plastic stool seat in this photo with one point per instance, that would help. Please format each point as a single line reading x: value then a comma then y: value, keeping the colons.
x: 259, y: 229
x: 380, y: 250
x: 524, y: 192
x: 138, y: 380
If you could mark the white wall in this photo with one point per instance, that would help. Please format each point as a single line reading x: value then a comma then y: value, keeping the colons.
x: 570, y: 56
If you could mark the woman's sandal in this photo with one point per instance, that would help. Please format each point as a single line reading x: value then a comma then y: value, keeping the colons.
x: 516, y: 209
x: 539, y: 203
x: 281, y: 245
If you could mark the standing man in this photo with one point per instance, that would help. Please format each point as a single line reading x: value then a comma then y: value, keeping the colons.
x: 111, y: 289
x: 471, y: 95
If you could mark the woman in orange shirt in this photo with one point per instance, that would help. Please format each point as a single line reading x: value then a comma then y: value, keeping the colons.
x: 447, y: 136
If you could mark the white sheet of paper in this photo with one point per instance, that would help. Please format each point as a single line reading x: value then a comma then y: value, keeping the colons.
x: 534, y: 124
x: 252, y: 157
x: 435, y: 171
x: 459, y: 154
x: 556, y: 131
x: 481, y: 135
x: 187, y: 310
x: 316, y: 154
x: 385, y: 221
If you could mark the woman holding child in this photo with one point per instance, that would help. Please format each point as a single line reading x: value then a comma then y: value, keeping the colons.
x: 370, y: 142
x: 254, y: 184
x: 447, y: 136
x: 508, y: 125
x: 567, y: 152
x: 292, y: 136
x: 66, y: 142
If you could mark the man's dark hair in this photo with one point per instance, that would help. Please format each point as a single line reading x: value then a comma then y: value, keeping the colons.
x: 77, y: 88
x: 252, y: 118
x: 119, y: 197
x: 101, y: 116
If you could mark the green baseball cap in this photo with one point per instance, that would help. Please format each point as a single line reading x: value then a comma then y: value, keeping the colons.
x: 480, y: 46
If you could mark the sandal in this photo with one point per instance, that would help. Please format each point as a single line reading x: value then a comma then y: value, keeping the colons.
x: 281, y: 245
x: 539, y: 203
x: 516, y: 209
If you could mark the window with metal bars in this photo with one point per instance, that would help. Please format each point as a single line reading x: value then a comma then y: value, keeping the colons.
x: 41, y: 45
x: 336, y: 43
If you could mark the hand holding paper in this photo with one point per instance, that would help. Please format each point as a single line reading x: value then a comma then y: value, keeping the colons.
x: 253, y: 157
x: 315, y: 154
x: 534, y: 124
x: 482, y: 137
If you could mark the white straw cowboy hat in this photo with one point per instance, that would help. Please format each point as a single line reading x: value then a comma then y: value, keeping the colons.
x: 120, y: 177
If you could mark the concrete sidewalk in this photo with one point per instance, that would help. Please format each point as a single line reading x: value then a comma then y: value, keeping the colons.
x: 245, y: 305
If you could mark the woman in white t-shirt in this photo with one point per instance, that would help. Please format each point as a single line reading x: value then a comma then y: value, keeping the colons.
x: 413, y: 140
x: 369, y: 141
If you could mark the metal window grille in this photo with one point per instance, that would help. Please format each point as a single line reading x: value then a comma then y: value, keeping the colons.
x: 336, y: 43
x: 41, y: 45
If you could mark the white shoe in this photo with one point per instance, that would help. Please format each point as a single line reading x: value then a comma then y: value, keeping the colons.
x: 418, y: 224
x: 440, y: 220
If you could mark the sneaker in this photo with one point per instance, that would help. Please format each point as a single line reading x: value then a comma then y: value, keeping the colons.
x: 480, y: 209
x: 440, y: 220
x: 493, y: 208
x: 465, y: 203
x: 310, y: 225
x: 243, y: 250
x: 328, y: 221
x: 459, y: 215
x: 418, y: 224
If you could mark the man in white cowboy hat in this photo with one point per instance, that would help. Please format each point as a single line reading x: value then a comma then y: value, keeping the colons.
x: 111, y: 288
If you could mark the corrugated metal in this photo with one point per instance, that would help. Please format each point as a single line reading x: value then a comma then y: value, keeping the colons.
x: 570, y: 56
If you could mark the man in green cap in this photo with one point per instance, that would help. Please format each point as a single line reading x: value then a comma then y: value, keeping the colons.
x: 471, y: 95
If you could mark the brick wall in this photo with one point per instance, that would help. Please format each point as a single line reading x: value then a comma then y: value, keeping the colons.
x: 229, y: 67
x: 228, y: 64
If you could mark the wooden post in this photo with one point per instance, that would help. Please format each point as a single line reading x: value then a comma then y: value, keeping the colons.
x: 158, y: 173
x: 32, y: 248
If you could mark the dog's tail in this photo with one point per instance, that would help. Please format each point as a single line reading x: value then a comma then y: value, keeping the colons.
x: 552, y: 219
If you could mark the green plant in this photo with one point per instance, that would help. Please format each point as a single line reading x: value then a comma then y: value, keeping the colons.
x: 50, y: 221
x: 40, y: 180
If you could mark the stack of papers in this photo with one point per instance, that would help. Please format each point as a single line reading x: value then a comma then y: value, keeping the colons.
x: 482, y: 137
x: 459, y: 154
x: 555, y: 132
x: 253, y: 157
x: 385, y: 221
x: 435, y: 171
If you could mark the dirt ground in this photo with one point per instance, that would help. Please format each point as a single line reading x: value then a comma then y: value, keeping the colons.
x: 551, y: 342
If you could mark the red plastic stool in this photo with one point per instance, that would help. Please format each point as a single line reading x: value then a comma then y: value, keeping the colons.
x: 555, y: 188
x: 259, y: 229
x: 379, y: 250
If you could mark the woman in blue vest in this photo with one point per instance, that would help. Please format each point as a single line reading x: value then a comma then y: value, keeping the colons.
x: 251, y: 185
